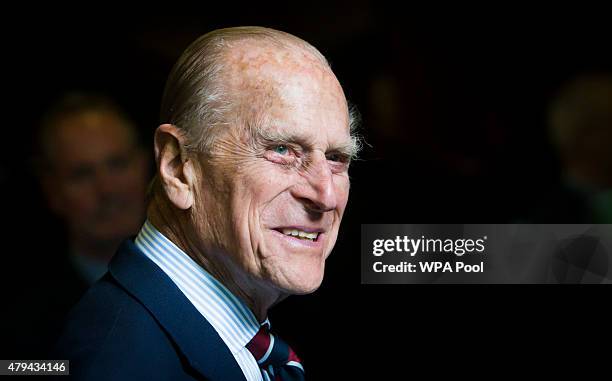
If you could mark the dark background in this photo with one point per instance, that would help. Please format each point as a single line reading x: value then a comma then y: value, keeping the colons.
x: 454, y: 109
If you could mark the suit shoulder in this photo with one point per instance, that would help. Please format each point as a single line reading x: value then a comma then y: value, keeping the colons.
x: 110, y: 335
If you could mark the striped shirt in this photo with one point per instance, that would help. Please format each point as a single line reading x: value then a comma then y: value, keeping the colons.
x: 229, y: 315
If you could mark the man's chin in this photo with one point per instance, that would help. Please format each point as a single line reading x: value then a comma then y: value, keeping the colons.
x: 115, y: 232
x: 306, y: 290
x: 300, y: 285
x: 110, y: 238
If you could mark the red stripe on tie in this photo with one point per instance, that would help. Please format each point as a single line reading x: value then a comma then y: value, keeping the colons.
x: 293, y: 356
x: 259, y: 345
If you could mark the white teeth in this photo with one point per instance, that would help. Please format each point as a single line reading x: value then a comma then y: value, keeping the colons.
x: 308, y: 235
x: 300, y: 234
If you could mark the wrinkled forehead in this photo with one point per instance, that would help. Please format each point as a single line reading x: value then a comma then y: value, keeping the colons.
x: 287, y: 87
x: 255, y: 59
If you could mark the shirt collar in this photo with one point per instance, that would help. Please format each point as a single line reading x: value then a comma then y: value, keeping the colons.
x: 228, y: 314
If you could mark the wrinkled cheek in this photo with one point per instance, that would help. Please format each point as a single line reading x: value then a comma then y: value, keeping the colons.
x: 206, y: 220
x: 240, y: 229
x: 343, y: 188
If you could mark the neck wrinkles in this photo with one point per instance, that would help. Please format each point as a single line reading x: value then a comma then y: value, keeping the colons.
x: 175, y: 226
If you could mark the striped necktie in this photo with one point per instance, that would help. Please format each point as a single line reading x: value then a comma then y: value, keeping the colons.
x: 276, y: 359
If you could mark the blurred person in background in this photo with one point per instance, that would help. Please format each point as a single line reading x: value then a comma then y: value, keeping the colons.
x: 93, y: 173
x: 580, y: 126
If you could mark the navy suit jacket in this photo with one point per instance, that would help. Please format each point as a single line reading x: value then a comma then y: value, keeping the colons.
x: 135, y: 324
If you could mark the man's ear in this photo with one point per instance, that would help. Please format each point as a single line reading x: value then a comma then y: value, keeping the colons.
x: 175, y: 170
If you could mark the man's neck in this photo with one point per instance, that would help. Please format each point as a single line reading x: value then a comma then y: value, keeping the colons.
x: 257, y: 296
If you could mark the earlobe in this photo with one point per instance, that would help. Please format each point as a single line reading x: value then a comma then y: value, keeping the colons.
x: 174, y: 169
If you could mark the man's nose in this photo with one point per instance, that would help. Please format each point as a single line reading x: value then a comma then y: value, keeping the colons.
x: 317, y: 192
x: 105, y: 181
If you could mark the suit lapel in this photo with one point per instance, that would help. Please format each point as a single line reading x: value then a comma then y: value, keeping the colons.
x: 192, y: 333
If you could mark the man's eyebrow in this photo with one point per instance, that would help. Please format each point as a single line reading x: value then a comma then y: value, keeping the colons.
x: 349, y: 150
x: 275, y: 136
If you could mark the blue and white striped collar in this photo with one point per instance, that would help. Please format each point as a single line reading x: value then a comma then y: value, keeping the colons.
x: 231, y: 318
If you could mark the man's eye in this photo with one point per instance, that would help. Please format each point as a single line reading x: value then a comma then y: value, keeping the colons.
x: 337, y: 157
x: 281, y: 149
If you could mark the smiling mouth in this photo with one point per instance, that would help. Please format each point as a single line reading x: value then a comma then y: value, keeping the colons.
x: 300, y: 234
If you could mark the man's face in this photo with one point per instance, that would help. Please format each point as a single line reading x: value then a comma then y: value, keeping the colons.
x: 276, y: 186
x: 99, y: 177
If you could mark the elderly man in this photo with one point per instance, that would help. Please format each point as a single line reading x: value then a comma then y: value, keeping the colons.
x: 251, y: 185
